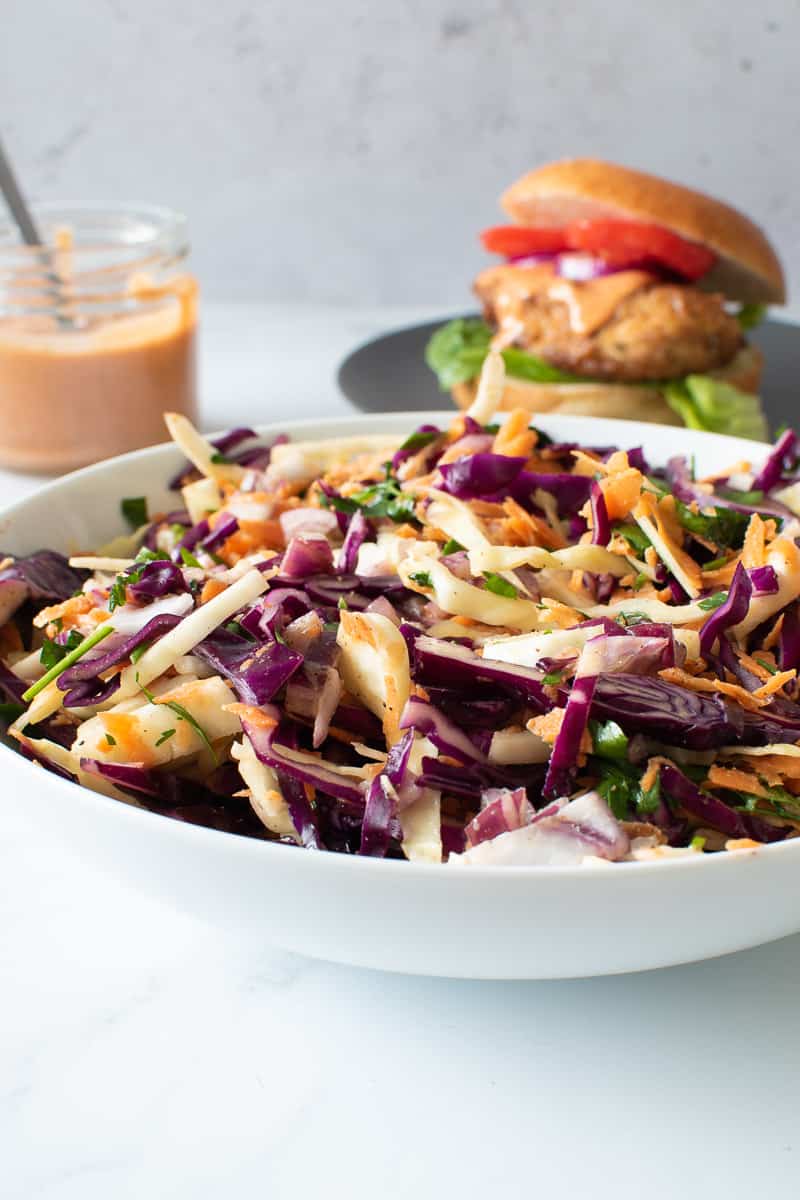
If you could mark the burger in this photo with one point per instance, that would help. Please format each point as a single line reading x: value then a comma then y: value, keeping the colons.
x: 619, y: 294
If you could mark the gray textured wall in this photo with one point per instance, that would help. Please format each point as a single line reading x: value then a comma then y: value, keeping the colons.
x: 349, y: 151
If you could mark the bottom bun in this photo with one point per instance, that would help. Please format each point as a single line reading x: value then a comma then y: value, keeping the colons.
x: 630, y: 401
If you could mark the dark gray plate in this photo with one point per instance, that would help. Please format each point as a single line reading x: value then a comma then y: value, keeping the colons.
x: 389, y: 373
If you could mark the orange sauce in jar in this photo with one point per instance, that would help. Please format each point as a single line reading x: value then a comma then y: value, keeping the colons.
x: 97, y: 340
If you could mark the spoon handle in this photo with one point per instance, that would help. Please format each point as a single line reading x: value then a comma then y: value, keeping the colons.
x: 15, y: 201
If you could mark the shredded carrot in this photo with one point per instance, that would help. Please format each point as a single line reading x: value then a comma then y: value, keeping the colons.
x: 755, y: 540
x: 526, y: 529
x: 250, y: 537
x: 68, y: 611
x: 773, y: 637
x: 650, y: 774
x: 564, y: 616
x: 252, y: 714
x: 774, y: 684
x: 514, y: 438
x: 547, y: 728
x: 720, y: 576
x: 696, y: 683
x: 735, y: 780
x: 587, y: 464
x: 739, y: 468
x: 742, y: 844
x: 664, y: 513
x: 211, y: 588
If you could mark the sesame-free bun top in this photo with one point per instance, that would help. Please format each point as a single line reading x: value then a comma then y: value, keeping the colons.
x: 747, y: 267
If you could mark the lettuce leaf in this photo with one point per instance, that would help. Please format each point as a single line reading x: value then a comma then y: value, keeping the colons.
x: 750, y: 315
x: 710, y: 404
x: 456, y: 352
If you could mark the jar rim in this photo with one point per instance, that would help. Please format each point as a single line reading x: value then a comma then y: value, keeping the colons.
x: 150, y: 228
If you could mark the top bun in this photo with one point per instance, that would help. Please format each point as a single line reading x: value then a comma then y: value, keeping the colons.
x: 747, y: 267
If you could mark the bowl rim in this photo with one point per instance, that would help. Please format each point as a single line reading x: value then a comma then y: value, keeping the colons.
x: 365, y: 865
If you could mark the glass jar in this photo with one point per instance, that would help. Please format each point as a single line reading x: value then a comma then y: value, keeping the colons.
x: 97, y: 335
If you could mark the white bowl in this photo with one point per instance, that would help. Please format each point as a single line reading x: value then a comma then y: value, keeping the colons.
x: 481, y: 922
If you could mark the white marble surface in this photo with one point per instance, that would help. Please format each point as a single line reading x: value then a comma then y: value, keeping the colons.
x: 350, y: 152
x: 143, y: 1053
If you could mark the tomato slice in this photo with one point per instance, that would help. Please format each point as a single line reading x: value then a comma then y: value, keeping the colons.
x: 514, y: 241
x: 620, y: 243
x: 623, y: 243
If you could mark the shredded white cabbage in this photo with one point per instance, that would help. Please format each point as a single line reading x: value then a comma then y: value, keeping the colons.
x: 201, y: 498
x: 465, y: 600
x: 199, y: 451
x: 266, y: 798
x: 374, y: 666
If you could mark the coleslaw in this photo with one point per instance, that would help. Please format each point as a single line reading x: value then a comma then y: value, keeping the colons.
x: 479, y: 646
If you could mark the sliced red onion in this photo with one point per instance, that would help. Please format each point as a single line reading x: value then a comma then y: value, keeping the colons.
x: 384, y: 608
x: 314, y: 693
x: 764, y: 580
x: 359, y: 531
x: 562, y: 835
x: 307, y: 556
x: 601, y: 526
x: 313, y: 521
x: 501, y: 811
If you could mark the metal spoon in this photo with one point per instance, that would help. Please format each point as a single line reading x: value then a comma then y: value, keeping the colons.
x: 30, y: 234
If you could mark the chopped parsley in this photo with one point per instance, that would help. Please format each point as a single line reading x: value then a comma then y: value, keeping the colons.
x: 621, y: 787
x: 724, y: 526
x: 451, y: 546
x: 112, y: 741
x: 183, y: 715
x: 383, y: 499
x: 419, y: 439
x: 220, y: 458
x: 715, y: 564
x: 423, y: 578
x: 342, y: 604
x: 553, y: 678
x: 633, y: 535
x: 189, y: 560
x: 67, y: 661
x: 53, y: 652
x: 116, y: 593
x: 498, y: 585
x: 134, y: 510
x: 712, y: 602
x: 608, y: 740
x: 165, y: 736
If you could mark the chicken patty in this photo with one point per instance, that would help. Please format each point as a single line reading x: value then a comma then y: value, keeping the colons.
x: 658, y: 331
